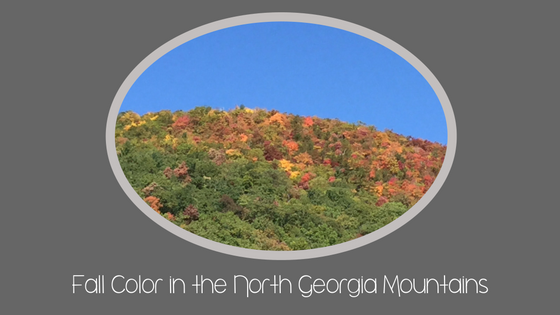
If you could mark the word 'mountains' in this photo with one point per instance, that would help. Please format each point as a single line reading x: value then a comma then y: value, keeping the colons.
x: 267, y: 180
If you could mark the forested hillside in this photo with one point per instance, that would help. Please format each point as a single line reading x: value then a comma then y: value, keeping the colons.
x: 269, y: 180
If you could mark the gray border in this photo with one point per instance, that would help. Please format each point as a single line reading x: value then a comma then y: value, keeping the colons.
x: 281, y: 17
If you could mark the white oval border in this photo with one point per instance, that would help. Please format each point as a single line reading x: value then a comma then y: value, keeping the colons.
x: 281, y: 17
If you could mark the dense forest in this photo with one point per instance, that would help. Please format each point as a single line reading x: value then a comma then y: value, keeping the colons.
x: 273, y: 181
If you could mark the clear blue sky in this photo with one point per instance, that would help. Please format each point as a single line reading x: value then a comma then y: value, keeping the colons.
x: 298, y: 68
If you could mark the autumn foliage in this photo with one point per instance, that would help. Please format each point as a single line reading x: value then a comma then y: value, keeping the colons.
x: 274, y: 181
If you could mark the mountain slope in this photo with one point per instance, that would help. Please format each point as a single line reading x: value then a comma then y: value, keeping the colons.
x: 273, y: 181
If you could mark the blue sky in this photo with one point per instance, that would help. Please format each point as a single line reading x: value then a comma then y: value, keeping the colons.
x: 298, y: 68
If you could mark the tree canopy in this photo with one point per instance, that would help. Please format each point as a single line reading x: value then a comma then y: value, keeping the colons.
x: 273, y: 181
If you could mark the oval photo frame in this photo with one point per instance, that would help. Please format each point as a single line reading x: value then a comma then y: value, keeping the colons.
x: 281, y: 17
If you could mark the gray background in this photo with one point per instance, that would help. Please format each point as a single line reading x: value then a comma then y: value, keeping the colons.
x: 64, y: 212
